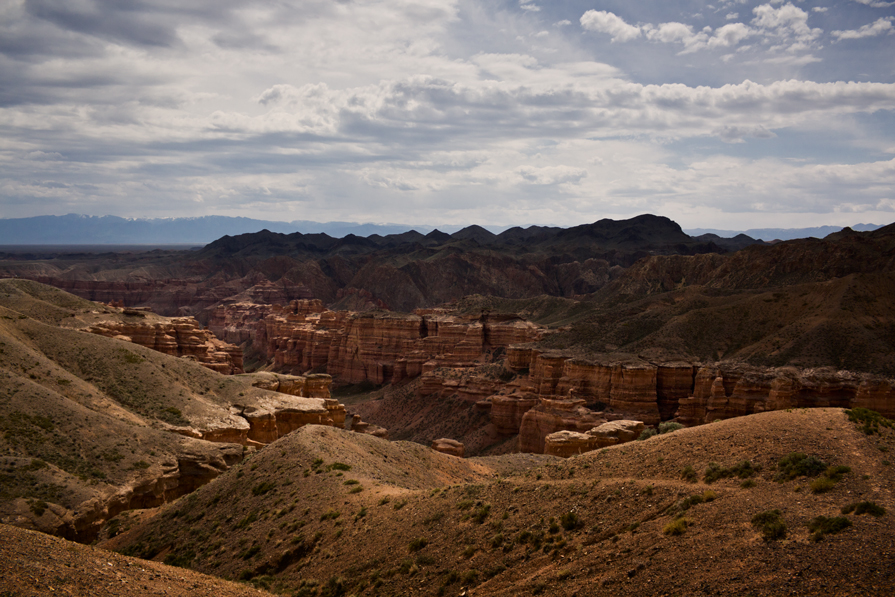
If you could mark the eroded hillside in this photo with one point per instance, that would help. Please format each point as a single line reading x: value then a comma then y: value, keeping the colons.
x: 717, y: 509
x: 92, y: 425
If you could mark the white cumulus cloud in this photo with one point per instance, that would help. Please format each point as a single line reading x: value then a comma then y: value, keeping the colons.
x: 607, y: 22
x: 878, y: 27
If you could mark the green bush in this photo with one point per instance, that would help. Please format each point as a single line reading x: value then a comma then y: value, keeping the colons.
x: 481, y: 513
x: 831, y: 476
x: 864, y: 508
x: 742, y: 470
x: 676, y: 527
x: 669, y: 426
x: 689, y: 474
x: 797, y: 464
x: 417, y: 544
x: 570, y: 521
x: 647, y: 433
x: 771, y: 525
x: 869, y: 420
x: 822, y: 525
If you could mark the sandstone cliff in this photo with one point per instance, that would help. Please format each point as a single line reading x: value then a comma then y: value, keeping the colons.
x: 177, y: 336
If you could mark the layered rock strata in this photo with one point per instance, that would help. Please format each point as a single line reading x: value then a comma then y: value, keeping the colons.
x: 449, y: 446
x: 373, y: 347
x: 571, y: 443
x: 177, y: 336
x: 723, y: 391
x: 550, y: 416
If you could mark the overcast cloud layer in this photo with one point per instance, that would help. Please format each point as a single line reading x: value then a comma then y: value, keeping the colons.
x: 735, y: 114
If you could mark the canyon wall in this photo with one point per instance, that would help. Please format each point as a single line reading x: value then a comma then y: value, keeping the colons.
x: 372, y: 347
x: 546, y: 391
x: 177, y: 336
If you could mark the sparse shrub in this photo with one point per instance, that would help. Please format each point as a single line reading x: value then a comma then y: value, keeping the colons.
x: 822, y: 485
x: 647, y: 433
x: 469, y: 577
x: 570, y: 521
x: 468, y: 551
x: 669, y: 426
x: 743, y: 470
x: 648, y: 490
x: 676, y: 527
x: 249, y: 519
x: 748, y: 483
x: 350, y: 482
x: 330, y: 515
x: 859, y: 508
x: 399, y: 505
x: 464, y: 504
x: 497, y: 540
x: 356, y: 489
x: 828, y: 480
x: 481, y: 513
x: 797, y: 464
x: 334, y: 587
x: 688, y: 474
x: 339, y: 466
x: 384, y: 501
x: 553, y: 528
x: 869, y: 420
x: 822, y: 525
x: 38, y: 507
x: 263, y: 487
x: 433, y: 518
x: 417, y: 544
x: 770, y: 524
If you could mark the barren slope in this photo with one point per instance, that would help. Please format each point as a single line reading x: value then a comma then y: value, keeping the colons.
x: 87, y: 421
x: 33, y: 564
x: 293, y: 519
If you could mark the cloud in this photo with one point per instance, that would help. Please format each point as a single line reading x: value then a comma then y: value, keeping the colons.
x: 452, y: 111
x: 788, y: 24
x: 876, y: 3
x: 670, y: 32
x: 607, y: 22
x: 878, y: 27
x: 551, y: 175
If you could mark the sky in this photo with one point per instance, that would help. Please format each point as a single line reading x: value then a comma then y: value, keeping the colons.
x: 735, y: 114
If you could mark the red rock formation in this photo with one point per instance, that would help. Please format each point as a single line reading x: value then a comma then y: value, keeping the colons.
x: 177, y: 336
x: 372, y: 347
x: 571, y: 443
x: 449, y: 446
x: 730, y: 390
x: 550, y: 416
x: 507, y: 411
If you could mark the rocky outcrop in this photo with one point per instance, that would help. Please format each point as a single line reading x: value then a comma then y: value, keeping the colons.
x: 177, y: 336
x: 375, y: 347
x: 723, y: 391
x: 196, y: 464
x: 571, y: 443
x: 507, y: 410
x: 357, y: 425
x: 550, y: 416
x: 448, y: 446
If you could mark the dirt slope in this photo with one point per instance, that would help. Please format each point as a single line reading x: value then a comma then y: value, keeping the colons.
x: 598, y: 524
x: 34, y: 564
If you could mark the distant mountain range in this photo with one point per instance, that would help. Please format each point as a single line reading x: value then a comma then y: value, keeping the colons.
x: 769, y: 234
x: 74, y: 229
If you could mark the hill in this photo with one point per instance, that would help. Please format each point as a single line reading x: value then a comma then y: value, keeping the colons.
x: 713, y: 509
x: 92, y: 426
x: 397, y: 271
x: 34, y: 564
